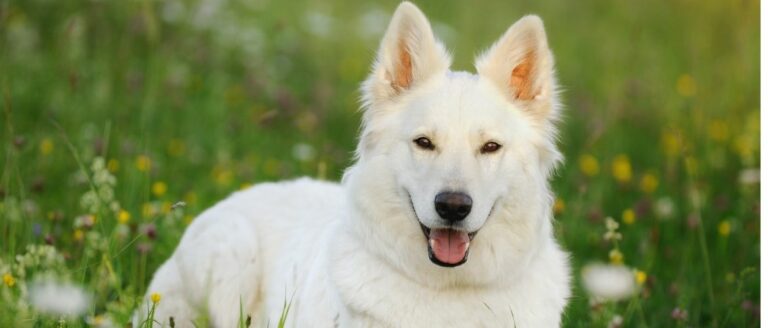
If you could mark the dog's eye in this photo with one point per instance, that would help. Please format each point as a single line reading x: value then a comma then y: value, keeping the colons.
x: 424, y: 143
x: 490, y: 147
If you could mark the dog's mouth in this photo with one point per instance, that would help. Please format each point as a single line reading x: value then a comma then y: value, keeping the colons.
x: 447, y: 247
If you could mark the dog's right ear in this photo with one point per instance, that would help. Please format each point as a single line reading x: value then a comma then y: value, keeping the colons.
x: 408, y: 55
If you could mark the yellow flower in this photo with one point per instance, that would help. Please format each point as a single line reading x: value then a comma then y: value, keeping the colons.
x: 222, y: 176
x: 616, y: 256
x: 143, y: 163
x: 648, y: 183
x: 628, y: 216
x: 176, y: 147
x: 622, y: 168
x: 123, y: 217
x: 148, y: 210
x: 190, y: 198
x: 159, y: 188
x: 188, y: 219
x: 718, y: 130
x: 686, y: 85
x: 155, y: 297
x: 672, y: 143
x: 559, y: 206
x: 640, y: 277
x: 113, y: 165
x: 78, y: 235
x: 245, y: 185
x: 46, y: 146
x: 589, y: 165
x: 724, y: 228
x: 9, y: 280
x: 166, y: 207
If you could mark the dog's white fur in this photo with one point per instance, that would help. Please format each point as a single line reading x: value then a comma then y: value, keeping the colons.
x: 354, y: 255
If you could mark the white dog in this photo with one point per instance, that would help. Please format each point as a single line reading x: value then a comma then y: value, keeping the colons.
x: 443, y: 221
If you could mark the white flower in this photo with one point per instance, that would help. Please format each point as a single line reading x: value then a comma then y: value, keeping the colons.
x: 749, y: 176
x: 608, y: 282
x: 664, y: 208
x: 303, y: 152
x: 59, y: 298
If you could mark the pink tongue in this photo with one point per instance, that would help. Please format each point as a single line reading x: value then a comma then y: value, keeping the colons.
x: 448, y: 245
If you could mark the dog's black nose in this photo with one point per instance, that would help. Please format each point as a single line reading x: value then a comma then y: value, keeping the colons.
x: 453, y: 206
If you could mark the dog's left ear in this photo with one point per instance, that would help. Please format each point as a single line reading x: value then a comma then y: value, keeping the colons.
x: 520, y: 64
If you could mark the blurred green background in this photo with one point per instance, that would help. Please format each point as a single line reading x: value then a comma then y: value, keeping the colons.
x: 114, y: 111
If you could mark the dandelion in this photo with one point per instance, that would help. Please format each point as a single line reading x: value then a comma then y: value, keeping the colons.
x: 718, y: 130
x: 176, y: 147
x: 621, y: 168
x: 9, y: 280
x: 113, y: 165
x: 608, y: 282
x: 648, y: 183
x: 640, y: 277
x: 616, y: 257
x: 78, y: 235
x: 143, y: 163
x: 628, y: 216
x: 589, y: 165
x: 686, y: 85
x: 159, y: 188
x: 559, y: 206
x: 222, y: 176
x: 724, y: 228
x: 123, y: 217
x: 46, y: 146
x: 672, y: 143
x: 59, y: 298
x: 148, y: 210
x: 245, y: 185
x: 155, y: 297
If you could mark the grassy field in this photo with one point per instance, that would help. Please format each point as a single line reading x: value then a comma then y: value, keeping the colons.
x: 114, y: 111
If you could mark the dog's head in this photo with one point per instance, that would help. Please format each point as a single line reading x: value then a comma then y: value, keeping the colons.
x: 453, y: 167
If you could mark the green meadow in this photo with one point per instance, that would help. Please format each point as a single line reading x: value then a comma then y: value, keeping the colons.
x: 123, y: 120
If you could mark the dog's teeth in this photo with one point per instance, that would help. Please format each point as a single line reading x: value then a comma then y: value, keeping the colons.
x: 466, y: 247
x: 432, y: 243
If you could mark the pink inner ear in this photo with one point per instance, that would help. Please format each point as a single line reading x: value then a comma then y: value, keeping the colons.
x: 403, y: 69
x: 521, y: 80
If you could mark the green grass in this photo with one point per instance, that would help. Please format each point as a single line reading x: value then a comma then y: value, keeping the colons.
x: 188, y: 107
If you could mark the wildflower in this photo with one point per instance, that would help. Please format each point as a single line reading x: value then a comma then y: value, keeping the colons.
x: 59, y: 298
x: 622, y: 168
x: 190, y: 197
x: 188, y: 219
x: 671, y: 143
x: 159, y: 188
x: 176, y: 147
x: 559, y: 206
x: 123, y: 217
x: 628, y: 216
x: 303, y: 152
x: 608, y: 282
x: 143, y: 163
x: 679, y: 314
x: 724, y: 228
x: 589, y: 165
x: 148, y: 210
x: 46, y: 146
x: 245, y: 185
x: 155, y: 297
x: 616, y: 256
x: 9, y: 280
x: 113, y: 165
x: 718, y: 130
x: 640, y: 277
x: 749, y: 176
x: 222, y: 176
x: 612, y: 226
x: 616, y: 322
x: 664, y: 208
x: 686, y: 85
x: 148, y: 229
x: 78, y: 235
x: 648, y: 183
